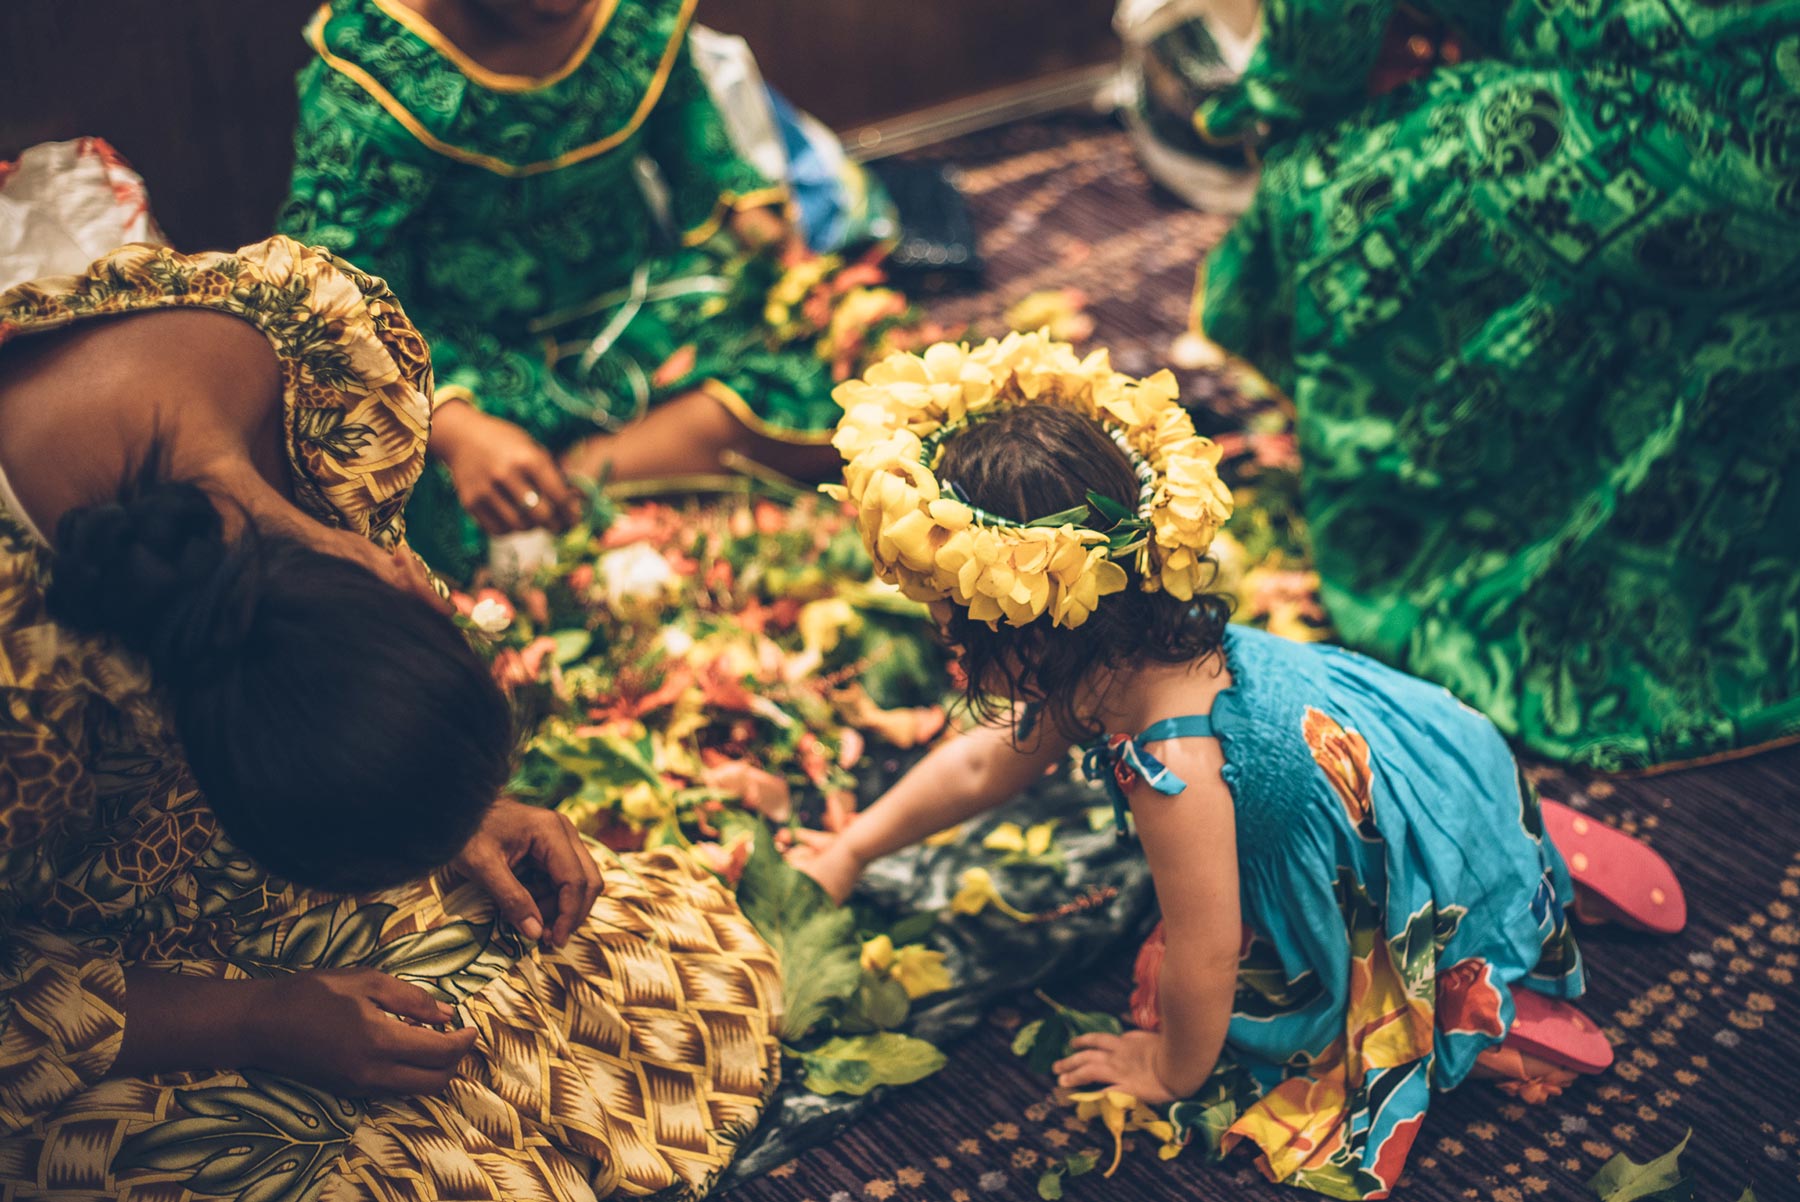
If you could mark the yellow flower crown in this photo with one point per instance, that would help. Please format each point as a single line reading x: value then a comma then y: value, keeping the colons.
x: 935, y: 546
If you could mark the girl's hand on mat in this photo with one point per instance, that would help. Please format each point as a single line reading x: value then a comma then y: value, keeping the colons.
x: 355, y: 1031
x: 828, y: 859
x: 503, y: 476
x: 542, y: 844
x: 1125, y: 1062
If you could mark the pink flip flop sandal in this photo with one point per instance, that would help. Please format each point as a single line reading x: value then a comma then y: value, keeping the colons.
x: 1555, y: 1031
x: 1634, y: 885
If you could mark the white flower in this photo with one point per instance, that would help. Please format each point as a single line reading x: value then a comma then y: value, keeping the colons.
x: 676, y: 641
x: 633, y: 572
x: 513, y: 559
x: 491, y: 616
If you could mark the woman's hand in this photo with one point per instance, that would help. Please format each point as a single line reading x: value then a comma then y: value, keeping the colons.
x: 760, y: 228
x: 513, y: 834
x: 828, y: 859
x: 354, y: 1031
x: 503, y: 476
x: 1127, y: 1062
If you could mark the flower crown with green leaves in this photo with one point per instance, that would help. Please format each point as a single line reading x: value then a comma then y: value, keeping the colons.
x: 930, y: 542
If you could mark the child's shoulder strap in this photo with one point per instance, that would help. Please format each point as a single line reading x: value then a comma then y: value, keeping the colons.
x: 1120, y: 761
x: 1189, y: 726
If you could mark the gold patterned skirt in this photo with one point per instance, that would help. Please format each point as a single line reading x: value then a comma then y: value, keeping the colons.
x: 628, y: 1064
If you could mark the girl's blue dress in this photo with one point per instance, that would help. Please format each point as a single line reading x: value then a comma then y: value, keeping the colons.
x: 1396, y: 887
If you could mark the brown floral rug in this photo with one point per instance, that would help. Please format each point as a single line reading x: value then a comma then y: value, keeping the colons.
x: 1706, y: 1025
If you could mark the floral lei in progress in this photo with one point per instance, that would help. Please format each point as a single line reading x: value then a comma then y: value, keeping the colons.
x: 934, y: 545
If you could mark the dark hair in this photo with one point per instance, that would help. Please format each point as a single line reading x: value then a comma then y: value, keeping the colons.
x: 345, y: 733
x: 1027, y: 462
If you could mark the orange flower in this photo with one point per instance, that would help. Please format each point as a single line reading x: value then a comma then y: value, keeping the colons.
x: 815, y: 758
x: 675, y: 366
x: 1146, y: 1001
x: 535, y: 653
x: 726, y: 862
x: 769, y: 518
x: 1344, y: 757
x: 644, y: 523
x: 760, y: 791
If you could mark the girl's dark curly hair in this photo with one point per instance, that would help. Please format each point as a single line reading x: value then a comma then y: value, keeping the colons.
x: 1027, y: 462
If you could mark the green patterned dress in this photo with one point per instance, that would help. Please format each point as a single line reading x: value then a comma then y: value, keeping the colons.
x: 1540, y: 316
x: 514, y: 216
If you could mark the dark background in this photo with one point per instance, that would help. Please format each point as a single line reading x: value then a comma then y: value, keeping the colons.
x: 199, y: 94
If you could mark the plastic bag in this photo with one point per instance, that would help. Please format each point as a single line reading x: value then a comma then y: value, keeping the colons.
x: 729, y: 69
x: 1177, y: 54
x: 839, y: 204
x: 64, y: 204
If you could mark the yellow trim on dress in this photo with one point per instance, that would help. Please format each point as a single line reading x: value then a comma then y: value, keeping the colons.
x: 315, y: 36
x: 498, y: 81
x: 731, y: 202
x: 739, y: 408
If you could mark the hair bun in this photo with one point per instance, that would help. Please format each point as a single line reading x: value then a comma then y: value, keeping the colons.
x: 150, y: 569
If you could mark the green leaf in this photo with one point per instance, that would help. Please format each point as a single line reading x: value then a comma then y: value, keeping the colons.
x: 1046, y: 1041
x: 606, y: 759
x: 1067, y: 517
x: 1746, y: 1196
x: 913, y: 928
x: 858, y: 1063
x: 1050, y: 1185
x: 880, y: 1004
x: 571, y: 645
x: 814, y: 940
x: 1622, y: 1179
x: 1108, y: 508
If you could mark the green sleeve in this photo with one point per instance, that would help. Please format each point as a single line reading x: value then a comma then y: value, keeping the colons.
x: 705, y: 174
x: 360, y: 184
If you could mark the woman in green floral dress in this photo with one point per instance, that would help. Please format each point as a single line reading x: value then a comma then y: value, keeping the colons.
x: 489, y: 159
x: 1539, y: 312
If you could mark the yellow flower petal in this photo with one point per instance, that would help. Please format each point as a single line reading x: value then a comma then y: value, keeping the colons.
x: 920, y: 971
x: 878, y: 954
x: 1005, y: 837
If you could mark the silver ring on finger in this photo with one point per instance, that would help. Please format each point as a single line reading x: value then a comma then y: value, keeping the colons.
x: 531, y: 500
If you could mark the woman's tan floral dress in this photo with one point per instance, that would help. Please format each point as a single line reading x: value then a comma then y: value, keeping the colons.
x: 628, y: 1063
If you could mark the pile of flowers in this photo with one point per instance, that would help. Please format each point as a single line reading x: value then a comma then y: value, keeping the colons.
x: 845, y: 310
x: 669, y: 661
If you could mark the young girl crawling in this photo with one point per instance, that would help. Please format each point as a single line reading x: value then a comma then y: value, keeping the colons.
x: 1359, y: 901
